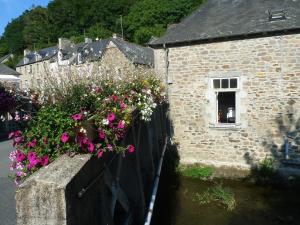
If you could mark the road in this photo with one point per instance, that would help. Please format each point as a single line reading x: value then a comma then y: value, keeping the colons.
x: 7, y: 187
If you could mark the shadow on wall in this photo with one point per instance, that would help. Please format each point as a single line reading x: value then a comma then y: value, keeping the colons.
x: 278, y: 153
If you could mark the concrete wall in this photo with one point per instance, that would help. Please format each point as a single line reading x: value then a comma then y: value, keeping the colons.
x: 50, y: 196
x: 268, y: 70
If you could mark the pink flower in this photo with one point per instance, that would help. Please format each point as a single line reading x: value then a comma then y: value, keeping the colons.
x: 85, y: 141
x: 123, y: 105
x: 115, y: 98
x: 79, y: 137
x: 11, y: 135
x: 91, y: 147
x: 100, y: 153
x: 31, y: 156
x: 32, y: 144
x: 17, y: 133
x: 102, y: 134
x: 131, y: 149
x: 20, y: 156
x: 18, y: 140
x: 111, y: 117
x: 77, y: 117
x: 44, y: 160
x: 17, y: 117
x: 98, y: 89
x: 12, y: 156
x: 12, y: 166
x: 19, y: 173
x: 33, y: 160
x: 110, y: 148
x: 121, y: 124
x: 65, y: 137
x: 30, y: 166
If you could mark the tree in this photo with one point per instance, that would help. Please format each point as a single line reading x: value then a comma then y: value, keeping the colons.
x: 4, y: 49
x: 36, y: 30
x: 151, y: 17
x: 13, y: 35
x: 98, y: 31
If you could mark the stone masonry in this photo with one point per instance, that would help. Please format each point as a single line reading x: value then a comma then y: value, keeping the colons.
x: 267, y: 100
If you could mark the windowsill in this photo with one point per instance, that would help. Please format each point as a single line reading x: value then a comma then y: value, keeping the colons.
x: 225, y: 126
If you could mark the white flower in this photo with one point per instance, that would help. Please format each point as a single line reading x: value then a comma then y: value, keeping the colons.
x: 105, y: 122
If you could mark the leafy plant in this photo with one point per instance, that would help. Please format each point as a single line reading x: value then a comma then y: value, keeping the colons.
x: 218, y: 194
x: 197, y: 172
x: 84, y: 118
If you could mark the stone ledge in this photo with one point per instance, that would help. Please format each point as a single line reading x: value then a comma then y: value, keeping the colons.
x: 41, y: 199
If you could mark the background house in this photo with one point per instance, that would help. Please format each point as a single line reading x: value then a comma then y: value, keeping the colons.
x: 9, y: 76
x: 233, y: 74
x: 6, y: 58
x: 87, y: 57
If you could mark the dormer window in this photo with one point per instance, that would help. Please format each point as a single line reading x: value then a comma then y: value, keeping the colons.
x: 275, y: 15
x: 79, y: 58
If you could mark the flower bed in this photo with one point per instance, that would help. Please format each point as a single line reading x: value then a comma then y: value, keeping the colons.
x: 88, y: 119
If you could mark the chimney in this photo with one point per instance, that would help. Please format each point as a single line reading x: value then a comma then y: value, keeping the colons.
x: 88, y: 40
x: 26, y: 52
x: 25, y: 60
x: 64, y: 43
x: 115, y: 36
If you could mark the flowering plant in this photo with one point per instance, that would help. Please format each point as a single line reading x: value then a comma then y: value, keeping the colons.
x: 87, y: 119
x: 7, y: 100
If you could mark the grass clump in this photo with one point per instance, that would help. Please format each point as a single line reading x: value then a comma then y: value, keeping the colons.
x: 200, y: 172
x: 218, y: 194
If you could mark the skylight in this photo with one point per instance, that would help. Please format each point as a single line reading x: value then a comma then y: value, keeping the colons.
x: 275, y: 15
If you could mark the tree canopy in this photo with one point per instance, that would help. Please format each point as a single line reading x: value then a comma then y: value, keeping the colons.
x: 40, y: 27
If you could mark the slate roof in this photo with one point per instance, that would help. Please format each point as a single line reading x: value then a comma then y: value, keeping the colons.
x: 5, y: 57
x: 135, y: 53
x: 94, y: 51
x: 44, y: 54
x: 5, y: 70
x: 217, y: 19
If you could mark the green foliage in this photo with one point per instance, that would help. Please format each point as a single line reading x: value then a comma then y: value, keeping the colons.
x: 13, y: 35
x: 197, y: 172
x: 47, y: 128
x: 4, y: 49
x: 218, y: 194
x: 78, y: 97
x: 36, y: 30
x: 98, y: 31
x: 150, y: 17
x: 13, y: 61
x: 40, y: 27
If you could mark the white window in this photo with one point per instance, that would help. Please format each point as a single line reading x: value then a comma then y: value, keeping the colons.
x: 225, y: 90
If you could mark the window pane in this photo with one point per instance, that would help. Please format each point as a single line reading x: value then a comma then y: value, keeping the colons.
x: 217, y: 84
x: 233, y: 83
x: 226, y: 107
x: 225, y: 83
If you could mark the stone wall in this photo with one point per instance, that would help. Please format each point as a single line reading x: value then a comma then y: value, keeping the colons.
x: 267, y: 100
x: 33, y: 75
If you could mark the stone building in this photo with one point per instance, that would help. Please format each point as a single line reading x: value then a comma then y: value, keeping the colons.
x: 233, y: 75
x: 9, y: 76
x: 83, y: 58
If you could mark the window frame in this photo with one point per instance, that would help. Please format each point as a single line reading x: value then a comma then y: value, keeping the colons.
x: 216, y: 122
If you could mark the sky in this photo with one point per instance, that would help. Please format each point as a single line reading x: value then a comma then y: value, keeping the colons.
x: 10, y: 9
